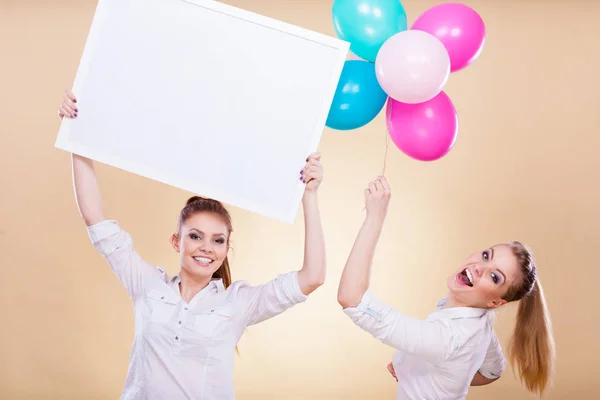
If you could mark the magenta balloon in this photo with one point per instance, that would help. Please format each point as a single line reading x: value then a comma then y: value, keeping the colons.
x: 425, y: 131
x: 460, y: 28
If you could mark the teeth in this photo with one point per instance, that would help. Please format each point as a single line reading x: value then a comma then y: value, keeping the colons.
x: 470, y: 277
x: 203, y: 260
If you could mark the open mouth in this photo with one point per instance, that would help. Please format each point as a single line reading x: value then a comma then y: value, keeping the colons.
x: 203, y: 261
x: 465, y: 277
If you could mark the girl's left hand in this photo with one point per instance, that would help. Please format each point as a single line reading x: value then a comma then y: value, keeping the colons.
x: 312, y: 173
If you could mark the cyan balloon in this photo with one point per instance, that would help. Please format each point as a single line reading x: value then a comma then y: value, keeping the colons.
x: 367, y: 24
x: 358, y: 97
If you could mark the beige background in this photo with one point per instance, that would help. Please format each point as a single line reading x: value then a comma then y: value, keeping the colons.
x: 525, y: 167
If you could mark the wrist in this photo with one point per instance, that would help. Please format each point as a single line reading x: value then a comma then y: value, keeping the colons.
x: 309, y: 196
x: 375, y: 218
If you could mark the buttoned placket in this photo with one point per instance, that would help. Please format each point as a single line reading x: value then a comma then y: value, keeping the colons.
x: 181, y: 318
x: 184, y: 311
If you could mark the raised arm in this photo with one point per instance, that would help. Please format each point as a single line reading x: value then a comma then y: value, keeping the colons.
x: 312, y: 274
x: 85, y: 183
x: 428, y: 339
x: 286, y: 290
x: 108, y: 238
x: 357, y: 272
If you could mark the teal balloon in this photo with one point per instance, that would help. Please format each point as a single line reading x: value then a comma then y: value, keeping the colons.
x: 358, y: 97
x: 367, y: 24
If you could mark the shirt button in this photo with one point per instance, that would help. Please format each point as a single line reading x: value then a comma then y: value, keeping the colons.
x: 185, y: 309
x: 179, y: 322
x: 176, y: 337
x: 162, y: 297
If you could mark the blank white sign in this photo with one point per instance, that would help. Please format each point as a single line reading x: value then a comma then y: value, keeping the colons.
x: 205, y: 97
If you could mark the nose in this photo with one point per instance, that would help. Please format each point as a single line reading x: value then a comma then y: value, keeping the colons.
x: 205, y: 247
x: 477, y: 270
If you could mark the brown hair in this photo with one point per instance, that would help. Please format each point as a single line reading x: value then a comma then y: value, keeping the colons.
x: 531, y: 348
x: 197, y: 204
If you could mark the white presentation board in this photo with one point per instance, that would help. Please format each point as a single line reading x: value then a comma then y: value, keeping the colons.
x: 205, y: 97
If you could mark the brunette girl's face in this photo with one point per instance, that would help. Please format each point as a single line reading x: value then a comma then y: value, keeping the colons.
x: 203, y: 244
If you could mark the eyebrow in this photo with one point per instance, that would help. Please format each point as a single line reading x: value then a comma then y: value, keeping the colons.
x: 492, y: 255
x: 202, y: 233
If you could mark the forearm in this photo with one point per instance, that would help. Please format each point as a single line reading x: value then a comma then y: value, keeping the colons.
x: 312, y: 274
x: 87, y: 191
x: 480, y: 380
x: 357, y: 272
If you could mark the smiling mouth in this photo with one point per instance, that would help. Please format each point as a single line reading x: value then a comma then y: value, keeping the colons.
x: 203, y: 261
x: 465, y: 277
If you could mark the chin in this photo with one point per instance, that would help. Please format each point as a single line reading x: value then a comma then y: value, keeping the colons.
x: 200, y: 271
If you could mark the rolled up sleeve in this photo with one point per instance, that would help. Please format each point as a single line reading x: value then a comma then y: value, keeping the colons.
x: 116, y: 246
x: 429, y: 339
x: 265, y: 301
x: 494, y: 362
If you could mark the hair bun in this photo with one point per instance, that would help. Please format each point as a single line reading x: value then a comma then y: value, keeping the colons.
x: 194, y: 199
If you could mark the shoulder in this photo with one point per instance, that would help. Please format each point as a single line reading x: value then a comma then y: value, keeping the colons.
x: 238, y: 288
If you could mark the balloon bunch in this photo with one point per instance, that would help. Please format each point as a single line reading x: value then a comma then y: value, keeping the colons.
x: 408, y: 68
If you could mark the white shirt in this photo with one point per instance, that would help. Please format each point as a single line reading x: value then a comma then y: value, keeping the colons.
x: 180, y: 350
x: 437, y: 357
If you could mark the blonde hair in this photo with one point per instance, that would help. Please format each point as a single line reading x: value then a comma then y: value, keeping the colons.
x: 531, y: 350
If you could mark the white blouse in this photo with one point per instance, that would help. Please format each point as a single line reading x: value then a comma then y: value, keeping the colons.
x: 436, y: 358
x: 181, y: 350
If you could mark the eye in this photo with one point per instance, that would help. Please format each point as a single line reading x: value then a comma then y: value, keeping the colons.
x: 193, y: 236
x: 495, y: 278
x: 220, y: 241
x: 485, y: 255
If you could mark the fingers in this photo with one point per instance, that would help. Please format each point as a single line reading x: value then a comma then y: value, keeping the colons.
x: 384, y: 183
x: 68, y: 107
x: 312, y: 162
x: 312, y: 173
x: 372, y: 189
x: 379, y: 186
x: 69, y: 99
x: 71, y: 96
x: 390, y: 368
x: 314, y: 156
x: 68, y: 110
x: 312, y: 169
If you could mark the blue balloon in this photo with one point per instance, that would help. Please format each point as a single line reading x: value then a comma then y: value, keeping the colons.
x: 367, y: 24
x: 358, y: 97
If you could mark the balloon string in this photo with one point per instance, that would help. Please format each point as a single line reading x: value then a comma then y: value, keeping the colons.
x: 387, y: 142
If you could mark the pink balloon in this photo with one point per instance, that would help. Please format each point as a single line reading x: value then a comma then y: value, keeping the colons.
x: 412, y: 66
x: 460, y: 28
x: 425, y: 131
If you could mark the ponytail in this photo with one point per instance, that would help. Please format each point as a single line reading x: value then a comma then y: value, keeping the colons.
x: 224, y: 273
x: 531, y: 349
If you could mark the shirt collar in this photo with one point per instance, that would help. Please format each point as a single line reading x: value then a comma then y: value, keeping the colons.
x: 457, y: 312
x: 216, y: 284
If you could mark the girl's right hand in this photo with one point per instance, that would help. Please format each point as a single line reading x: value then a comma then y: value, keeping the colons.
x: 68, y: 108
x: 377, y: 198
x: 390, y: 368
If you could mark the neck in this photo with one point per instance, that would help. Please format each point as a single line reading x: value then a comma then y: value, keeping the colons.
x: 452, y: 301
x: 190, y: 285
